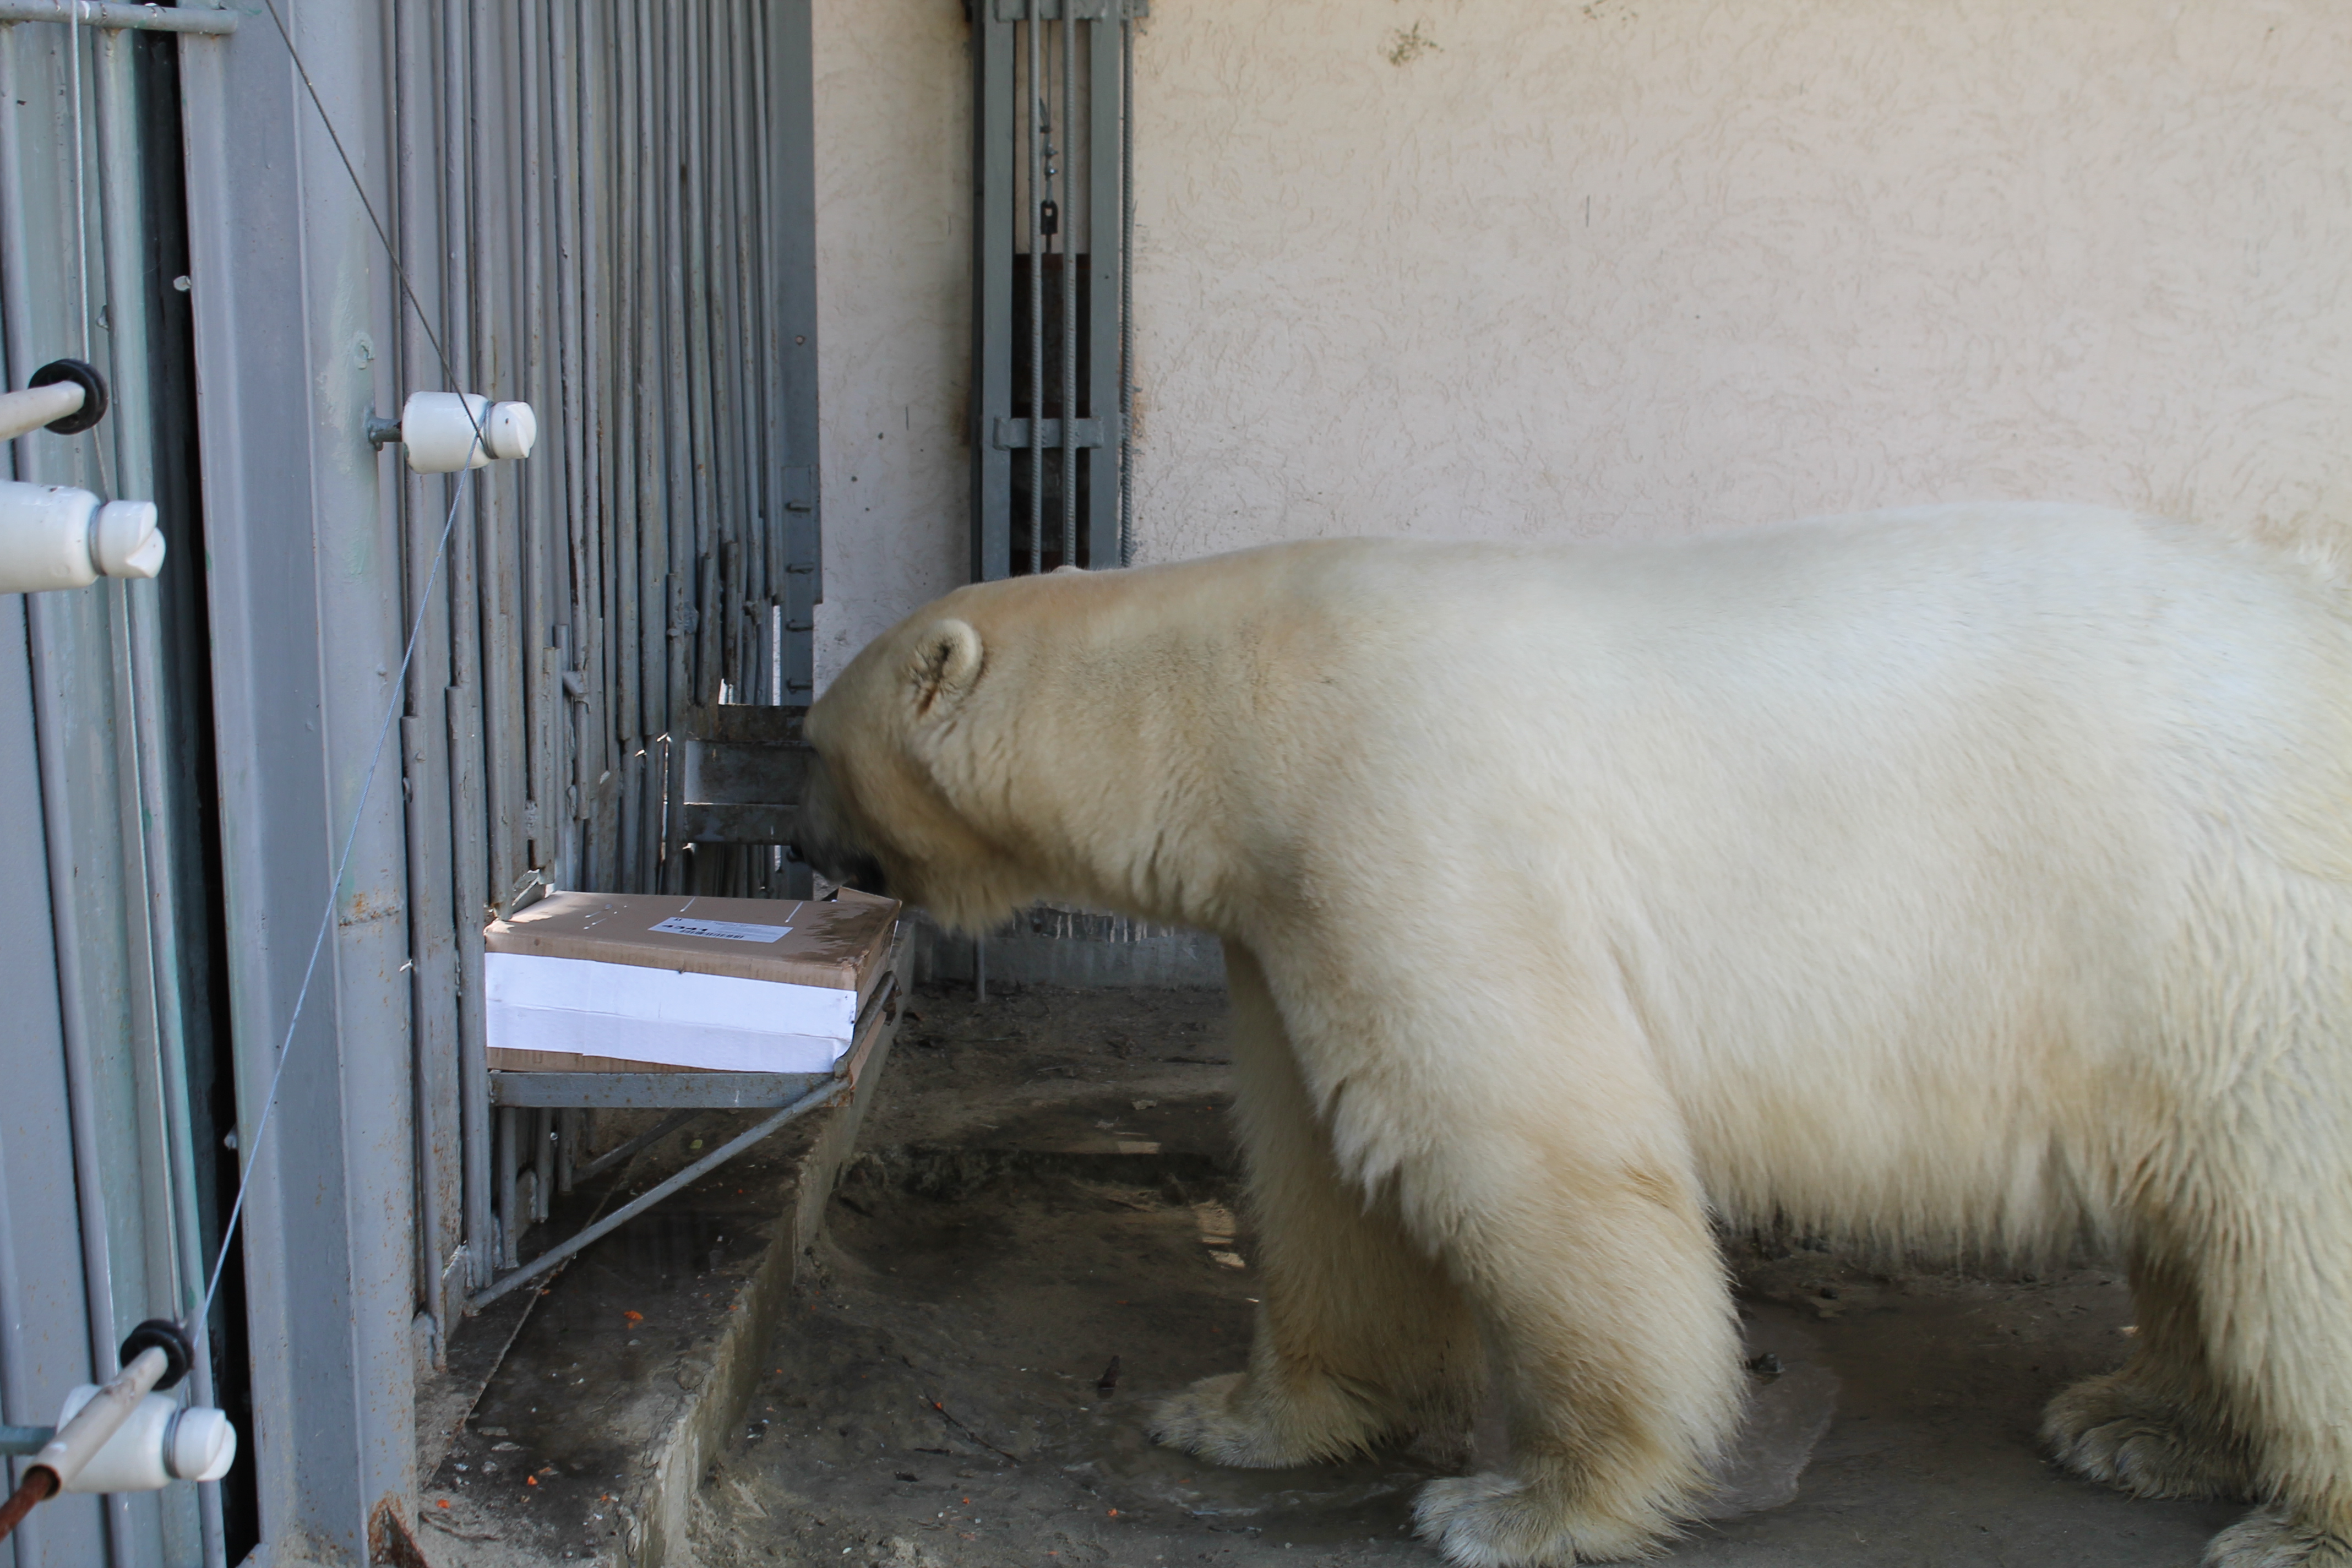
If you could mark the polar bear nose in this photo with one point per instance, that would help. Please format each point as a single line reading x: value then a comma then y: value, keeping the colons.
x: 821, y: 837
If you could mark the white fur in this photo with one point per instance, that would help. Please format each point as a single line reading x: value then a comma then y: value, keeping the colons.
x: 1977, y: 878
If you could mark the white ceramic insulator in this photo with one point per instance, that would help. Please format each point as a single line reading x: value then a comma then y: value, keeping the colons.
x: 440, y: 431
x: 53, y: 536
x: 21, y: 413
x: 161, y: 1441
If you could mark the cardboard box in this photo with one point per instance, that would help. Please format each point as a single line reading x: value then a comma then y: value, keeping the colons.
x: 637, y: 983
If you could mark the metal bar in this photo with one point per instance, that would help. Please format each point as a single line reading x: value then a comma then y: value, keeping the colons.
x: 653, y: 536
x: 1034, y: 106
x: 1023, y: 435
x: 485, y: 86
x: 110, y: 15
x: 472, y: 872
x: 650, y: 1090
x: 683, y: 541
x: 511, y: 1226
x: 1070, y: 287
x: 536, y: 484
x: 40, y: 1307
x: 567, y: 1139
x: 683, y: 1179
x: 434, y: 894
x: 300, y: 657
x: 1106, y: 279
x: 647, y: 1140
x: 16, y: 1442
x: 1125, y: 291
x: 50, y: 705
x: 577, y: 388
x: 183, y: 1263
x: 793, y: 263
x: 542, y: 1159
x: 994, y: 118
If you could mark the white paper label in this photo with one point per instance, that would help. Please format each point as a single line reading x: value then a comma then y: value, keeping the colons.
x: 729, y: 931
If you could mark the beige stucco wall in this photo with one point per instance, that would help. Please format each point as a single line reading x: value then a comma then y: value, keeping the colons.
x: 894, y: 314
x: 1526, y: 266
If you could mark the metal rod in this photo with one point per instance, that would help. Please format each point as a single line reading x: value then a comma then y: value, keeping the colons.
x: 510, y: 1224
x: 611, y: 1158
x: 1036, y: 105
x: 542, y: 1134
x: 692, y: 1173
x: 49, y: 725
x: 16, y: 1373
x: 153, y: 965
x: 110, y: 15
x: 1070, y: 287
x: 16, y: 1442
x: 1125, y: 289
x: 473, y: 1055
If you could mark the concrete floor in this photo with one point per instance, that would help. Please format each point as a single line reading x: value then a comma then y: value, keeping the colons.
x: 1046, y: 1184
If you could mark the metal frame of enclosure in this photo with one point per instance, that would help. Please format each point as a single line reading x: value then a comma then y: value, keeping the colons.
x: 1053, y: 235
x: 458, y: 689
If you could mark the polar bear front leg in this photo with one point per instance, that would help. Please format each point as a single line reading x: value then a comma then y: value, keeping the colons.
x: 1583, y: 1243
x: 1618, y: 1349
x: 1361, y: 1339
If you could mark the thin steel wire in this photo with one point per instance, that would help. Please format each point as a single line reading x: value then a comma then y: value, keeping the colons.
x: 359, y: 189
x: 391, y: 711
x: 327, y: 917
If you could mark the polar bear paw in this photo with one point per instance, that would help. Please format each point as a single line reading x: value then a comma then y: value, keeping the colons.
x: 2111, y: 1429
x: 1224, y: 1419
x: 1495, y: 1522
x: 2270, y: 1538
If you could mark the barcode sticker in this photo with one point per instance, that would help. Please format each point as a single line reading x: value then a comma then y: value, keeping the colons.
x: 729, y: 931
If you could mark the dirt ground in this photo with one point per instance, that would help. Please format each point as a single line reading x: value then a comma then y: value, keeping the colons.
x: 1043, y: 1234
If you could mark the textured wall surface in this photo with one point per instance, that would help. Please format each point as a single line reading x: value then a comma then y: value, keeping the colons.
x: 894, y: 309
x: 1539, y: 266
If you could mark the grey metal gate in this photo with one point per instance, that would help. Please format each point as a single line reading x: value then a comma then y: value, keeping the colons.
x: 606, y: 208
x: 105, y: 1209
x: 268, y: 231
x: 1051, y: 235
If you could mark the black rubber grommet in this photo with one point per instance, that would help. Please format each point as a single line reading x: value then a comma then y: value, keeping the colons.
x: 93, y: 394
x: 160, y: 1333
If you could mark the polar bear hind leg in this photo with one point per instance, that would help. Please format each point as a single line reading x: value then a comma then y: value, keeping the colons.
x: 1361, y: 1340
x: 2156, y: 1427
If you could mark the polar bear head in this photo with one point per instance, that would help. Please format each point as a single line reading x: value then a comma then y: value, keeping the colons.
x: 1119, y: 739
x: 928, y: 781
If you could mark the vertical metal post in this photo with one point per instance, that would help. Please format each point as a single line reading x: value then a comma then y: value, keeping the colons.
x: 1106, y: 283
x: 1126, y: 288
x: 995, y: 117
x: 1034, y: 107
x: 177, y: 1266
x: 434, y: 897
x: 792, y: 88
x: 510, y: 1224
x: 305, y: 622
x: 1068, y: 226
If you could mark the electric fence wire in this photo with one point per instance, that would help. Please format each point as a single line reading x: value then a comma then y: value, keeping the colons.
x: 252, y: 1157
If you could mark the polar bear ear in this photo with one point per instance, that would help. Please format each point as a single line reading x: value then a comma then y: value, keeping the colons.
x: 946, y: 661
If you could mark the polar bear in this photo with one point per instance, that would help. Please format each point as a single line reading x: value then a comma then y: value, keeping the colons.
x: 1976, y: 877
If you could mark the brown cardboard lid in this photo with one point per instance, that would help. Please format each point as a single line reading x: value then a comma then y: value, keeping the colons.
x: 840, y: 943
